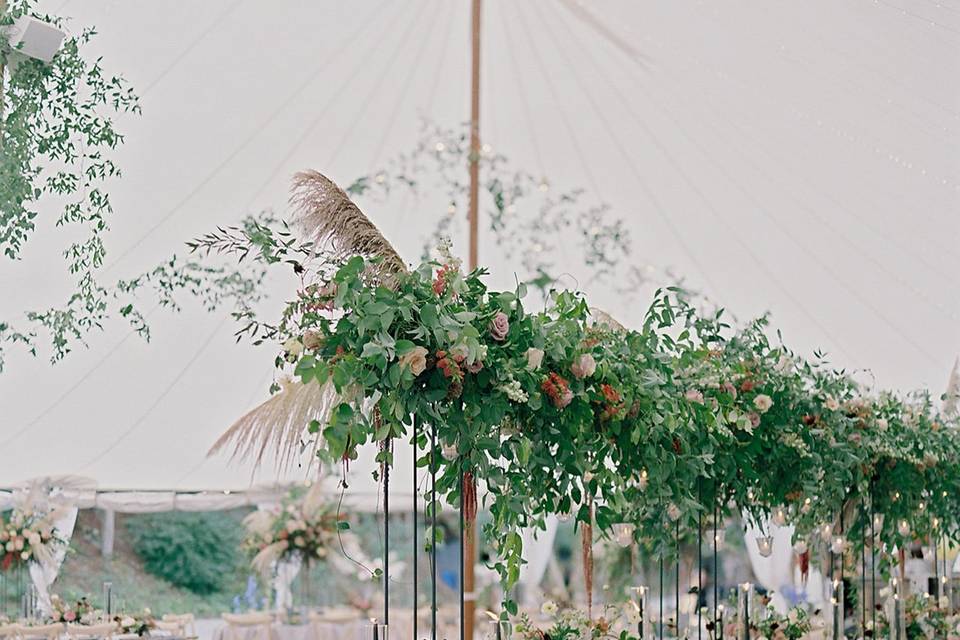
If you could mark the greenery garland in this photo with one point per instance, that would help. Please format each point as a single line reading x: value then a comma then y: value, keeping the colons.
x: 560, y: 409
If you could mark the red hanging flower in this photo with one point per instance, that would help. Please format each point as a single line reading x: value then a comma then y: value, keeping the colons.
x: 558, y: 390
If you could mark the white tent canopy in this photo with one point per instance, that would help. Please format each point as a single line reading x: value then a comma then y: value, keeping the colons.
x: 802, y: 158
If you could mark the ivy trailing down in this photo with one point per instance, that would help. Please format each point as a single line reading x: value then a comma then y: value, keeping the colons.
x: 565, y: 411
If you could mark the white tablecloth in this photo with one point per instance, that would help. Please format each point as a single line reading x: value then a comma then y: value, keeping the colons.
x: 352, y: 630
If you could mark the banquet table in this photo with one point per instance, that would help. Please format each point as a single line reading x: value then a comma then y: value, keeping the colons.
x: 318, y: 630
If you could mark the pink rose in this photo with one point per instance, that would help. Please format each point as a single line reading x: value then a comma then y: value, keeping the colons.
x: 728, y: 388
x: 499, y: 326
x: 566, y: 397
x: 70, y: 616
x: 475, y: 367
x: 584, y: 366
x: 754, y: 419
x: 693, y: 395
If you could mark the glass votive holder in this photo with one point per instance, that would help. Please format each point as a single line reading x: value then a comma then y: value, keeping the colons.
x: 623, y: 533
x: 765, y: 546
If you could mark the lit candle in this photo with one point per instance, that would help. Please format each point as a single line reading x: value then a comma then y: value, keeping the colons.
x: 780, y: 516
x: 836, y: 604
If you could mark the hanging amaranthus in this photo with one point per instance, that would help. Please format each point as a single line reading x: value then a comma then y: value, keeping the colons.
x: 586, y: 542
x: 469, y: 494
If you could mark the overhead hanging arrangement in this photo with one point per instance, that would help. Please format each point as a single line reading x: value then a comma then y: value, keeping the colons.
x: 563, y: 411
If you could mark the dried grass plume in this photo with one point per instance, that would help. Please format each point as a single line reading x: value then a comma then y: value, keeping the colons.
x: 337, y: 226
x: 279, y: 423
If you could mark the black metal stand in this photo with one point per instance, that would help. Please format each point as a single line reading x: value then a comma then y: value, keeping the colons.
x: 660, y: 594
x: 462, y: 606
x: 873, y: 567
x: 386, y: 538
x: 416, y: 551
x: 433, y: 531
x: 716, y: 564
x: 863, y: 571
x: 676, y: 613
x: 699, y: 560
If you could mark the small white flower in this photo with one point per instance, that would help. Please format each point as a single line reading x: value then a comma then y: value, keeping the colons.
x: 293, y: 348
x: 882, y: 424
x: 793, y: 616
x: 763, y: 402
x: 784, y: 363
x: 673, y: 512
x: 831, y: 403
x: 549, y: 608
x: 514, y: 390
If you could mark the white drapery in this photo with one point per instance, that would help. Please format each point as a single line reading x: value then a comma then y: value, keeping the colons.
x: 284, y: 573
x: 46, y: 497
x: 537, y: 550
x: 777, y: 573
x: 43, y: 574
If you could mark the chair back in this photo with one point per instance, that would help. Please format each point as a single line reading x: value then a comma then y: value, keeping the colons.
x: 182, y: 625
x: 248, y: 626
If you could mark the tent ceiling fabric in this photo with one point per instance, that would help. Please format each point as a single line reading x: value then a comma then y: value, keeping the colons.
x: 800, y: 158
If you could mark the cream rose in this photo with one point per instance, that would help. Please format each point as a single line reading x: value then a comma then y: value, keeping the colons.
x: 763, y: 402
x: 534, y: 358
x: 584, y: 366
x: 415, y: 360
x: 293, y: 347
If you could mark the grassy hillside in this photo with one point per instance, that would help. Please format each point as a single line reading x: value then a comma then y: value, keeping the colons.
x: 85, y: 571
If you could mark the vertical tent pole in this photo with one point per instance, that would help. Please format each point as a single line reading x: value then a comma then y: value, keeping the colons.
x: 467, y: 579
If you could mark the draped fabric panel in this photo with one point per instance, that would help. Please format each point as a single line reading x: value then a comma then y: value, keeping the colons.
x: 285, y: 572
x: 44, y: 574
x: 779, y: 573
x: 774, y: 573
x: 537, y: 551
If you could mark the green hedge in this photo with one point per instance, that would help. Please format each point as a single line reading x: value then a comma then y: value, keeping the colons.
x: 195, y: 551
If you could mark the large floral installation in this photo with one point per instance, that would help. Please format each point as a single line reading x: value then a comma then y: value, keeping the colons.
x: 304, y: 527
x: 26, y: 536
x: 563, y: 410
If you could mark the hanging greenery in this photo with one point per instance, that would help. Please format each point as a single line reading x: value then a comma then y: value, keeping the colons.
x: 58, y: 134
x: 560, y: 409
